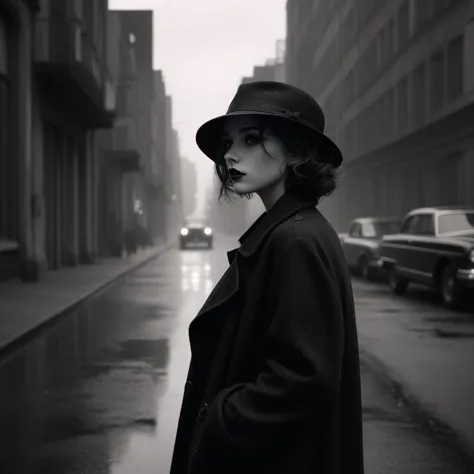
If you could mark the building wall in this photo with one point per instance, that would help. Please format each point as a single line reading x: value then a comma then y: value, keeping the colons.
x: 56, y: 189
x: 189, y: 188
x: 117, y: 147
x: 395, y: 80
x: 18, y: 250
x: 139, y: 26
x: 173, y: 187
x: 49, y: 213
x: 159, y: 159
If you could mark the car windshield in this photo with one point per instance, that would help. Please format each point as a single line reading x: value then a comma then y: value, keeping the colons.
x: 195, y: 225
x: 456, y: 223
x: 377, y: 229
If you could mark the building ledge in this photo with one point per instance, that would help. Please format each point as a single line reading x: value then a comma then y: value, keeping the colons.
x: 73, y: 88
x: 127, y: 159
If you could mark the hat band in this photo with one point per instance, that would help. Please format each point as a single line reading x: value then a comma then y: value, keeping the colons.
x: 270, y: 108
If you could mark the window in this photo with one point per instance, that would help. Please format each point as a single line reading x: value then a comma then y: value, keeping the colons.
x: 410, y: 225
x: 422, y: 13
x: 355, y: 230
x: 347, y: 31
x: 377, y: 229
x: 402, y: 105
x: 437, y: 81
x: 368, y: 66
x: 389, y: 45
x: 424, y: 225
x: 403, y: 25
x: 419, y: 96
x: 390, y: 113
x: 123, y: 102
x: 120, y: 137
x: 450, y: 169
x: 455, y: 68
x: 456, y: 223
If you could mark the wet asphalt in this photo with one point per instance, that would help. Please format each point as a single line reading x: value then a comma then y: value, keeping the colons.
x: 99, y: 392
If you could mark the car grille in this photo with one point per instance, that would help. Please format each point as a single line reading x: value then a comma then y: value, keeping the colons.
x: 195, y: 234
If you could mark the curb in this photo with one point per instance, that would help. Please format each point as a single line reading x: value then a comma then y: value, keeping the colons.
x: 10, y: 348
x: 428, y: 420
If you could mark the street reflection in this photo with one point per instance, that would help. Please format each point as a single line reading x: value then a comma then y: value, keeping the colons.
x: 151, y: 452
x: 195, y: 276
x: 100, y: 391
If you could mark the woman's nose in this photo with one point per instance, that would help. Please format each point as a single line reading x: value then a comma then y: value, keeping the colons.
x: 230, y: 158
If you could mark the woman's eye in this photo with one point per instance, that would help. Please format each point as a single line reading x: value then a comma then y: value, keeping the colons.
x: 226, y: 145
x: 252, y: 140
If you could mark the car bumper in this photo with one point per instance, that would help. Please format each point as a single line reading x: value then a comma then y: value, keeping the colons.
x: 465, y: 276
x: 196, y: 241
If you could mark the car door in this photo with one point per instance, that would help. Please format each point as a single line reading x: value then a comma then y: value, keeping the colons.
x: 424, y: 256
x: 350, y: 244
x: 403, y: 246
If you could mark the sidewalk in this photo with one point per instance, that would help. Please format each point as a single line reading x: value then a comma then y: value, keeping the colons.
x: 26, y: 307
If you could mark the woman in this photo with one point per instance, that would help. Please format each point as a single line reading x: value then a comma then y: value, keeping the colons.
x: 274, y: 383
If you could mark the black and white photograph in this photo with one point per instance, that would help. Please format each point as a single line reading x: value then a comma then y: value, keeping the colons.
x: 237, y: 237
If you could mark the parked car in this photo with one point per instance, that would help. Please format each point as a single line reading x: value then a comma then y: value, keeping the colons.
x: 196, y: 234
x: 436, y: 248
x: 361, y: 243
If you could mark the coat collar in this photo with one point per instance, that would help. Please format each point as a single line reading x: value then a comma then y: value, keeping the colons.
x: 285, y: 207
x: 250, y: 241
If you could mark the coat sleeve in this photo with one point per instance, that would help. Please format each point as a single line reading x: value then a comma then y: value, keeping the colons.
x: 303, y: 354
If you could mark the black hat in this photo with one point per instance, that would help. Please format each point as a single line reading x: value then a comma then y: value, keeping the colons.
x: 276, y: 99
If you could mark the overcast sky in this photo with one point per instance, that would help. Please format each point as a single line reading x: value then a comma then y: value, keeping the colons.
x: 204, y: 48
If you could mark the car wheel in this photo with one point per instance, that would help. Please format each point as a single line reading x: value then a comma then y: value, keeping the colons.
x: 398, y: 284
x: 450, y: 293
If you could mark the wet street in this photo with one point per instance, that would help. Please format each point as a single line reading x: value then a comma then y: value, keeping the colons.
x: 100, y: 391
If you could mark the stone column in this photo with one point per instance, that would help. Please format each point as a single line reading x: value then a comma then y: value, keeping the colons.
x: 38, y: 199
x: 72, y: 218
x: 29, y: 264
x: 87, y: 242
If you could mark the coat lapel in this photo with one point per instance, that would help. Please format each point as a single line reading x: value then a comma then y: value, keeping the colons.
x: 228, y: 286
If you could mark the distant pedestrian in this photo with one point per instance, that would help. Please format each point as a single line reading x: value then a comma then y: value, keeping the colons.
x: 274, y: 381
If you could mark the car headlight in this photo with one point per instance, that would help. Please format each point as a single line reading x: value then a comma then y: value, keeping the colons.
x: 184, y: 231
x: 208, y: 231
x: 471, y: 255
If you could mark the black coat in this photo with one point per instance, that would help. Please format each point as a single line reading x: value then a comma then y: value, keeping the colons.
x: 274, y: 381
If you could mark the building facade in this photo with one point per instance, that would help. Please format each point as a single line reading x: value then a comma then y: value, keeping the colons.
x: 80, y: 164
x: 119, y: 158
x: 138, y: 26
x: 190, y: 186
x: 17, y: 248
x: 173, y: 187
x: 159, y: 158
x: 56, y: 92
x: 396, y: 82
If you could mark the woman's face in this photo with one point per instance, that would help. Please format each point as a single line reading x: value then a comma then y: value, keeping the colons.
x: 243, y: 151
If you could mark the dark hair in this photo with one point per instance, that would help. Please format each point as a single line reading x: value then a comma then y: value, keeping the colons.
x: 309, y: 178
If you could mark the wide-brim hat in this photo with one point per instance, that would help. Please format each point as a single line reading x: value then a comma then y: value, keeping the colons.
x: 275, y: 99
